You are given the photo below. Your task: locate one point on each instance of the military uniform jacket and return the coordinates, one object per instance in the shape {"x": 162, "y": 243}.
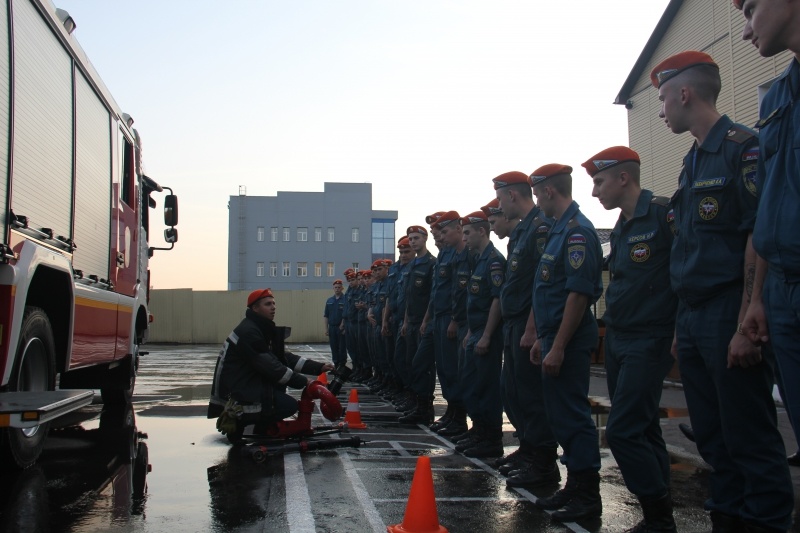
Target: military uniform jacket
{"x": 484, "y": 286}
{"x": 378, "y": 300}
{"x": 462, "y": 269}
{"x": 639, "y": 299}
{"x": 349, "y": 307}
{"x": 363, "y": 298}
{"x": 418, "y": 287}
{"x": 442, "y": 292}
{"x": 253, "y": 362}
{"x": 526, "y": 244}
{"x": 714, "y": 210}
{"x": 775, "y": 236}
{"x": 392, "y": 282}
{"x": 571, "y": 262}
{"x": 334, "y": 310}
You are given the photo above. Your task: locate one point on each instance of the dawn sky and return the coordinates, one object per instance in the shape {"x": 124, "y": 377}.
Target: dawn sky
{"x": 428, "y": 101}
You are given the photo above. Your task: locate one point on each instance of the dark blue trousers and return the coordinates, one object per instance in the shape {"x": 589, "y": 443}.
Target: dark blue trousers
{"x": 523, "y": 390}
{"x": 423, "y": 361}
{"x": 733, "y": 416}
{"x": 446, "y": 351}
{"x": 566, "y": 398}
{"x": 351, "y": 342}
{"x": 481, "y": 381}
{"x": 635, "y": 370}
{"x": 337, "y": 342}
{"x": 400, "y": 357}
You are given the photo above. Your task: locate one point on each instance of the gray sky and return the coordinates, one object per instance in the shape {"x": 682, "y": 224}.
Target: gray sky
{"x": 427, "y": 100}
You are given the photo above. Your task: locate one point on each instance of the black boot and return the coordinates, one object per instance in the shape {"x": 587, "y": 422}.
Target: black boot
{"x": 541, "y": 469}
{"x": 586, "y": 501}
{"x": 490, "y": 444}
{"x": 561, "y": 497}
{"x": 725, "y": 523}
{"x": 423, "y": 414}
{"x": 472, "y": 436}
{"x": 457, "y": 424}
{"x": 444, "y": 419}
{"x": 657, "y": 516}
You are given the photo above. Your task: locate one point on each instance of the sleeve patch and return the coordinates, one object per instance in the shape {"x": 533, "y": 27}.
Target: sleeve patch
{"x": 750, "y": 155}
{"x": 576, "y": 238}
{"x": 577, "y": 254}
{"x": 749, "y": 179}
{"x": 496, "y": 266}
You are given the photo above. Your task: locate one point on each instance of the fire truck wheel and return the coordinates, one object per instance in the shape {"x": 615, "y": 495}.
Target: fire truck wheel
{"x": 34, "y": 370}
{"x": 119, "y": 396}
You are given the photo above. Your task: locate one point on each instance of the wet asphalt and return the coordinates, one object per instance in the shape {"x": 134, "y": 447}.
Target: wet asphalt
{"x": 161, "y": 466}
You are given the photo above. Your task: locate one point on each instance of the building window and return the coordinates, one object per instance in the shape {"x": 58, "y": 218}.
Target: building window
{"x": 260, "y": 269}
{"x": 302, "y": 234}
{"x": 318, "y": 234}
{"x": 355, "y": 266}
{"x": 383, "y": 243}
{"x": 286, "y": 234}
{"x": 286, "y": 272}
{"x": 273, "y": 270}
{"x": 330, "y": 235}
{"x": 355, "y": 235}
{"x": 331, "y": 270}
{"x": 273, "y": 234}
{"x": 260, "y": 234}
{"x": 302, "y": 270}
{"x": 317, "y": 270}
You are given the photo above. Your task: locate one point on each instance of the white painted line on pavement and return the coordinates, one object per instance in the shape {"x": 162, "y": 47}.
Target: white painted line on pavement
{"x": 298, "y": 502}
{"x": 572, "y": 526}
{"x": 455, "y": 499}
{"x": 371, "y": 512}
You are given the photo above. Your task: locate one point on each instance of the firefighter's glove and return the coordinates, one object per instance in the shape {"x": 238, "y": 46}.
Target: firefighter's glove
{"x": 227, "y": 421}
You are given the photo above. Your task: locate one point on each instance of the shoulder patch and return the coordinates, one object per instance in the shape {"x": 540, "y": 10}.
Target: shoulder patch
{"x": 496, "y": 266}
{"x": 576, "y": 238}
{"x": 660, "y": 200}
{"x": 738, "y": 134}
{"x": 750, "y": 155}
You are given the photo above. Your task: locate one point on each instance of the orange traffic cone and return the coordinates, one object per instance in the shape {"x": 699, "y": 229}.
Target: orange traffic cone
{"x": 323, "y": 378}
{"x": 353, "y": 416}
{"x": 421, "y": 516}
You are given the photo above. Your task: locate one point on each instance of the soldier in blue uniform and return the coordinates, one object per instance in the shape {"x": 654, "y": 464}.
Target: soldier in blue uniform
{"x": 773, "y": 27}
{"x": 393, "y": 319}
{"x": 380, "y": 269}
{"x": 727, "y": 380}
{"x": 351, "y": 322}
{"x": 418, "y": 294}
{"x": 534, "y": 464}
{"x": 445, "y": 329}
{"x": 640, "y": 325}
{"x": 568, "y": 282}
{"x": 334, "y": 328}
{"x": 498, "y": 223}
{"x": 361, "y": 304}
{"x": 483, "y": 356}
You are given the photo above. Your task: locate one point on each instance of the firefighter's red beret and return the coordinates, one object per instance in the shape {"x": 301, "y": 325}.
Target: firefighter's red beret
{"x": 446, "y": 219}
{"x": 474, "y": 218}
{"x": 608, "y": 158}
{"x": 674, "y": 65}
{"x": 257, "y": 295}
{"x": 548, "y": 171}
{"x": 416, "y": 229}
{"x": 492, "y": 208}
{"x": 509, "y": 178}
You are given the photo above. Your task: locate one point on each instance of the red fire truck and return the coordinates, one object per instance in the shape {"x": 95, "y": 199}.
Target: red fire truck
{"x": 74, "y": 232}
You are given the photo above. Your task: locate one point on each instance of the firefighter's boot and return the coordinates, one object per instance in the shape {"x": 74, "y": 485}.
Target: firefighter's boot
{"x": 657, "y": 516}
{"x": 490, "y": 444}
{"x": 444, "y": 419}
{"x": 585, "y": 502}
{"x": 423, "y": 414}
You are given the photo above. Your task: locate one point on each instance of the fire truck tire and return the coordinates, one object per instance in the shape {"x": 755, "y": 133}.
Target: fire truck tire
{"x": 34, "y": 370}
{"x": 119, "y": 396}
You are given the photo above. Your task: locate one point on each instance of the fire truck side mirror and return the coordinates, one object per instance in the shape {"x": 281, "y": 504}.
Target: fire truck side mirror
{"x": 171, "y": 212}
{"x": 171, "y": 235}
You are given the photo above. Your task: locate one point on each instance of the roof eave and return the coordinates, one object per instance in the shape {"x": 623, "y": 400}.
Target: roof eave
{"x": 647, "y": 53}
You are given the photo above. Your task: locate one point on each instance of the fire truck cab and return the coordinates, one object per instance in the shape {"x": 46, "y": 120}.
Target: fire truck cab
{"x": 74, "y": 231}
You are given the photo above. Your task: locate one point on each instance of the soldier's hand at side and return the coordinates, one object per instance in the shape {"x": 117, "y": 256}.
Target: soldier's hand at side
{"x": 551, "y": 364}
{"x": 422, "y": 328}
{"x": 482, "y": 346}
{"x": 742, "y": 352}
{"x": 464, "y": 341}
{"x": 536, "y": 353}
{"x": 403, "y": 330}
{"x": 528, "y": 339}
{"x": 452, "y": 330}
{"x": 674, "y": 349}
{"x": 327, "y": 367}
{"x": 754, "y": 324}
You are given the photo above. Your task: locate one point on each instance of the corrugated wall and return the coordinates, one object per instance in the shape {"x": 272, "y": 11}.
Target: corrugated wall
{"x": 207, "y": 317}
{"x": 714, "y": 27}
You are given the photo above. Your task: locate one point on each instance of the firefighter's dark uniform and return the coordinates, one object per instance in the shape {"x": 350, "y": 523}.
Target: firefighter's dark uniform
{"x": 334, "y": 312}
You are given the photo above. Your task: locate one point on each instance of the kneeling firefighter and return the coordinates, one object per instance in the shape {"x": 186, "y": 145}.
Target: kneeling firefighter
{"x": 254, "y": 369}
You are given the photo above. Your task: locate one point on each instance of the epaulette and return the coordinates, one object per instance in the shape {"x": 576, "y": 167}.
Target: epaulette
{"x": 660, "y": 200}
{"x": 739, "y": 134}
{"x": 572, "y": 223}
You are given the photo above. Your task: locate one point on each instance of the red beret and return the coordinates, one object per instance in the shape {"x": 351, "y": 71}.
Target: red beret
{"x": 340, "y": 282}
{"x": 738, "y": 4}
{"x": 492, "y": 208}
{"x": 257, "y": 295}
{"x": 446, "y": 219}
{"x": 378, "y": 263}
{"x": 387, "y": 262}
{"x": 509, "y": 178}
{"x": 351, "y": 276}
{"x": 548, "y": 171}
{"x": 365, "y": 274}
{"x": 608, "y": 158}
{"x": 416, "y": 229}
{"x": 403, "y": 243}
{"x": 674, "y": 65}
{"x": 474, "y": 218}
{"x": 430, "y": 219}
{"x": 348, "y": 271}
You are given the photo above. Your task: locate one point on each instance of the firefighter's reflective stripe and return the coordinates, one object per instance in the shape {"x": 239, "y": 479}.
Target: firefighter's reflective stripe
{"x": 286, "y": 377}
{"x": 299, "y": 366}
